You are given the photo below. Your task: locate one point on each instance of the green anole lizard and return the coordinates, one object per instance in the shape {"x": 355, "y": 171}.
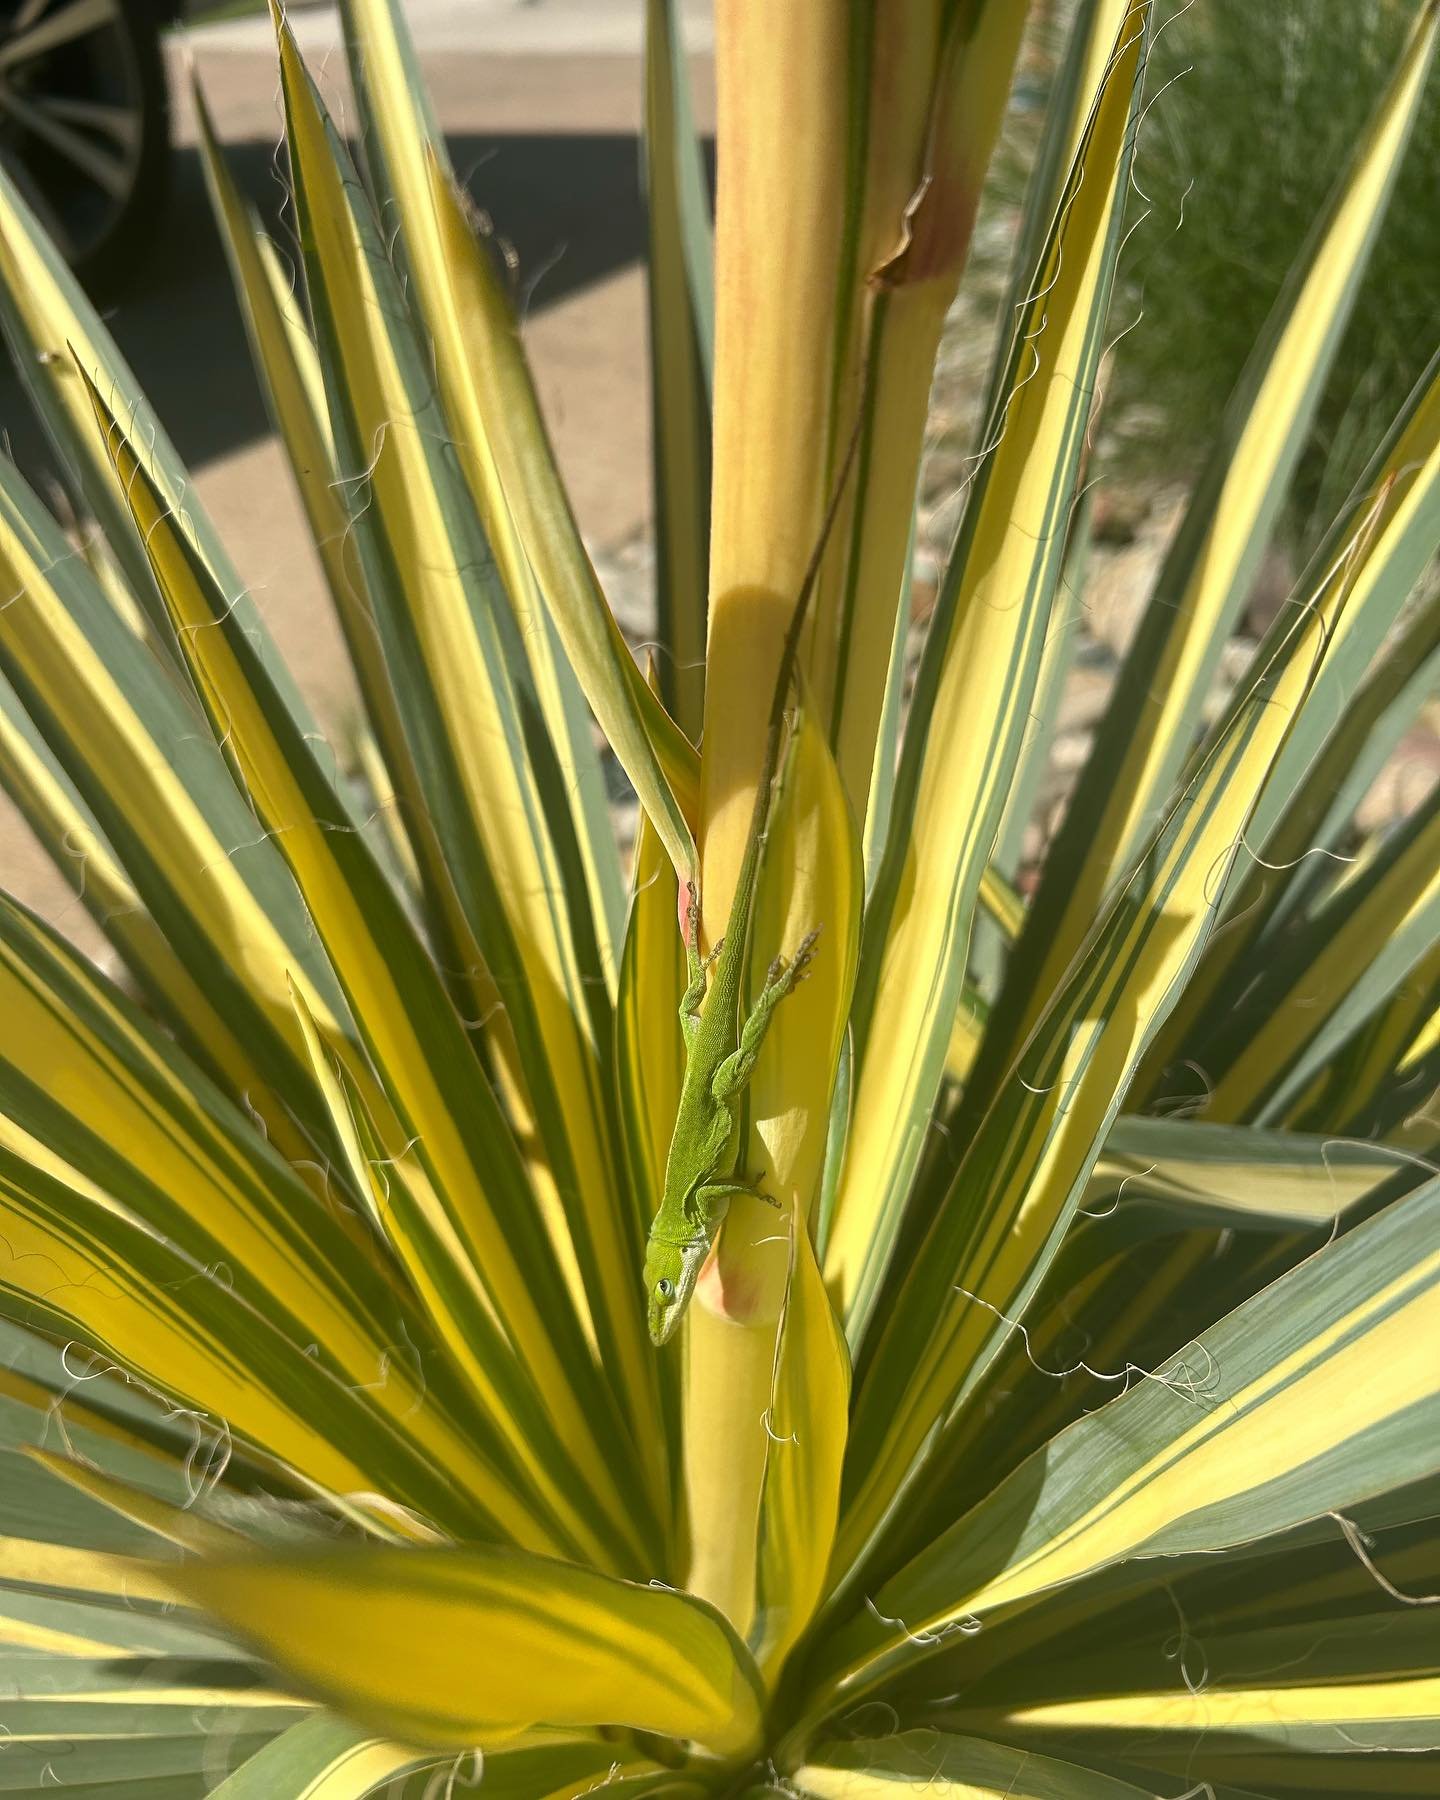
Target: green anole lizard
{"x": 721, "y": 1046}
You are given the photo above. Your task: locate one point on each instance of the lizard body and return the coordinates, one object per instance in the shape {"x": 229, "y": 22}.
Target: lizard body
{"x": 721, "y": 1049}
{"x": 721, "y": 1045}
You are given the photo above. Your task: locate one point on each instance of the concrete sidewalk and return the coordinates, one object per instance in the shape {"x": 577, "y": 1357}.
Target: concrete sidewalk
{"x": 486, "y": 27}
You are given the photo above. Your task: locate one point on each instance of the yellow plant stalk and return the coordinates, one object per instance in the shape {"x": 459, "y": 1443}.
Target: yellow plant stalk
{"x": 938, "y": 83}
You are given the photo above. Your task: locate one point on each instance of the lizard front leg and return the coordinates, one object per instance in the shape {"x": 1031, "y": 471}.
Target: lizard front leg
{"x": 715, "y": 1197}
{"x": 735, "y": 1071}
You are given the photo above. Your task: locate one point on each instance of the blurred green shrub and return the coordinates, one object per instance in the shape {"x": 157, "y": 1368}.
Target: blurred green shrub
{"x": 1252, "y": 108}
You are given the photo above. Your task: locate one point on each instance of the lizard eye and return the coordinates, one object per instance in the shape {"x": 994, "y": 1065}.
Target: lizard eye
{"x": 664, "y": 1289}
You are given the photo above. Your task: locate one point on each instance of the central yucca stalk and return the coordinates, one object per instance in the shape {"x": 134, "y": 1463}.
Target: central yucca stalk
{"x": 851, "y": 145}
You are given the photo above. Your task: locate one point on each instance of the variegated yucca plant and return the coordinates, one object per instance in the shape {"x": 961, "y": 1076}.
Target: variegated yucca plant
{"x": 1066, "y": 1426}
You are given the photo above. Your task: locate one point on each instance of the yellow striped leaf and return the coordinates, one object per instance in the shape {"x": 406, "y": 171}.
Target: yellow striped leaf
{"x": 1148, "y": 728}
{"x": 1317, "y": 1393}
{"x": 1013, "y": 1193}
{"x": 124, "y": 734}
{"x": 468, "y": 1647}
{"x": 652, "y": 749}
{"x": 285, "y": 357}
{"x": 540, "y": 1510}
{"x": 72, "y": 837}
{"x": 1393, "y": 1712}
{"x": 938, "y": 79}
{"x": 404, "y": 148}
{"x": 1334, "y": 974}
{"x": 482, "y": 1243}
{"x": 950, "y": 1768}
{"x": 114, "y": 1731}
{"x": 974, "y": 690}
{"x": 118, "y": 1159}
{"x": 1188, "y": 1172}
{"x": 1387, "y": 537}
{"x": 51, "y": 326}
{"x": 320, "y": 1758}
{"x": 806, "y": 1425}
{"x": 456, "y": 657}
{"x": 1385, "y": 1070}
{"x": 682, "y": 329}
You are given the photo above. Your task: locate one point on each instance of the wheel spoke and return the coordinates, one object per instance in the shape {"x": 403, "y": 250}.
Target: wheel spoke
{"x": 121, "y": 124}
{"x": 107, "y": 171}
{"x": 77, "y": 20}
{"x": 26, "y": 14}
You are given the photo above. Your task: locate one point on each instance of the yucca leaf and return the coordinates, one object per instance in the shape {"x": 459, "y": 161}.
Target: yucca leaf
{"x": 1318, "y": 1392}
{"x": 937, "y": 83}
{"x": 682, "y": 330}
{"x": 50, "y": 326}
{"x": 407, "y": 1210}
{"x": 554, "y": 1765}
{"x": 110, "y": 1731}
{"x": 652, "y": 749}
{"x": 121, "y": 1127}
{"x": 70, "y": 834}
{"x": 650, "y": 1059}
{"x": 974, "y": 689}
{"x": 497, "y": 790}
{"x": 1149, "y": 726}
{"x": 1396, "y": 516}
{"x": 1145, "y": 1625}
{"x": 469, "y": 1243}
{"x": 1180, "y": 1172}
{"x": 41, "y": 1405}
{"x": 951, "y": 1768}
{"x": 806, "y": 1425}
{"x": 887, "y": 732}
{"x": 967, "y": 1032}
{"x": 403, "y": 148}
{"x": 124, "y": 733}
{"x": 286, "y": 359}
{"x": 320, "y": 1758}
{"x": 1014, "y": 1189}
{"x": 294, "y": 383}
{"x": 1389, "y": 533}
{"x": 1367, "y": 1685}
{"x": 1335, "y": 971}
{"x": 1074, "y": 81}
{"x": 1386, "y": 1068}
{"x": 461, "y": 1647}
{"x": 179, "y": 1525}
{"x": 650, "y": 1051}
{"x": 1056, "y": 660}
{"x": 779, "y": 341}
{"x": 1176, "y": 1216}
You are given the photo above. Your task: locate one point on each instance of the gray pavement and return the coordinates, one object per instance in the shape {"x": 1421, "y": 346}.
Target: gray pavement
{"x": 489, "y": 27}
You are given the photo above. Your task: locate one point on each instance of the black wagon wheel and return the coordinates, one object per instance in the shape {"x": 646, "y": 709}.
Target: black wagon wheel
{"x": 84, "y": 123}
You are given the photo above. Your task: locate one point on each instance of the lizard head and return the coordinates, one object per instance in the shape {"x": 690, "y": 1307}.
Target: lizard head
{"x": 670, "y": 1275}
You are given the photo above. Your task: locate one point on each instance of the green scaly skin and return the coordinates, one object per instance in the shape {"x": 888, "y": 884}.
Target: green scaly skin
{"x": 721, "y": 1049}
{"x": 722, "y": 1046}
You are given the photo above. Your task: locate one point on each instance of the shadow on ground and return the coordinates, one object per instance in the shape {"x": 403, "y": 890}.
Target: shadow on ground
{"x": 569, "y": 205}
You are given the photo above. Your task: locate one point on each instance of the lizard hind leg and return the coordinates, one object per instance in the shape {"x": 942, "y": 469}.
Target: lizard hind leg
{"x": 733, "y": 1074}
{"x": 699, "y": 968}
